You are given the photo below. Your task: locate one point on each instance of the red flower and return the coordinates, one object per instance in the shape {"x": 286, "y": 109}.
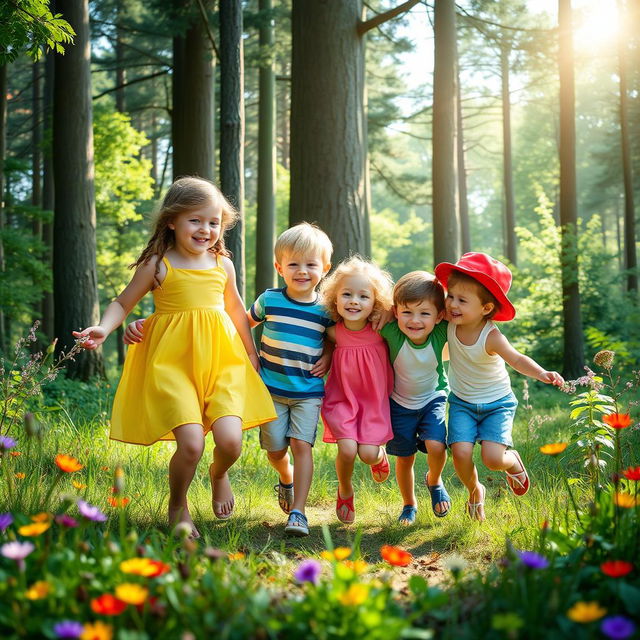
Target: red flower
{"x": 617, "y": 420}
{"x": 395, "y": 555}
{"x": 157, "y": 568}
{"x": 108, "y": 605}
{"x": 632, "y": 473}
{"x": 616, "y": 568}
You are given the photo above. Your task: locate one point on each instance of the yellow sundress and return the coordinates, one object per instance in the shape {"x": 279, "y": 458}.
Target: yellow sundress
{"x": 191, "y": 366}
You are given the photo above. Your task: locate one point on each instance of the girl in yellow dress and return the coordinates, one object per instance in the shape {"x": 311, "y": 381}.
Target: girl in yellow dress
{"x": 195, "y": 370}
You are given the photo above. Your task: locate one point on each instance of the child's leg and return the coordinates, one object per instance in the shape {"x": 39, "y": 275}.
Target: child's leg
{"x": 347, "y": 451}
{"x": 497, "y": 458}
{"x": 190, "y": 441}
{"x": 406, "y": 479}
{"x": 436, "y": 459}
{"x": 376, "y": 457}
{"x": 468, "y": 474}
{"x": 302, "y": 472}
{"x": 281, "y": 462}
{"x": 227, "y": 435}
{"x": 273, "y": 438}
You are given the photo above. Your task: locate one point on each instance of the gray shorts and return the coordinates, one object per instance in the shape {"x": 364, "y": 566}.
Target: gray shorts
{"x": 297, "y": 418}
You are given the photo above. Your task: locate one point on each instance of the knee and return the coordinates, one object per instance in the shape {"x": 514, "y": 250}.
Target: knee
{"x": 191, "y": 452}
{"x": 300, "y": 448}
{"x": 368, "y": 456}
{"x": 347, "y": 453}
{"x": 492, "y": 461}
{"x": 276, "y": 456}
{"x": 230, "y": 446}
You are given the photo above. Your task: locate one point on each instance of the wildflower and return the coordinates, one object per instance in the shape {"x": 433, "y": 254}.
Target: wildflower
{"x": 182, "y": 530}
{"x": 78, "y": 485}
{"x": 604, "y": 359}
{"x": 632, "y": 473}
{"x": 17, "y": 551}
{"x": 118, "y": 502}
{"x": 395, "y": 556}
{"x": 97, "y": 631}
{"x": 617, "y": 420}
{"x": 236, "y": 556}
{"x": 357, "y": 566}
{"x": 355, "y": 595}
{"x": 585, "y": 612}
{"x": 34, "y": 529}
{"x": 20, "y": 475}
{"x": 104, "y": 468}
{"x": 6, "y": 520}
{"x": 339, "y": 553}
{"x": 6, "y": 443}
{"x": 616, "y": 568}
{"x": 617, "y": 627}
{"x": 65, "y": 520}
{"x": 118, "y": 480}
{"x": 624, "y": 500}
{"x": 43, "y": 516}
{"x": 38, "y": 590}
{"x": 533, "y": 560}
{"x": 308, "y": 571}
{"x": 506, "y": 622}
{"x": 67, "y": 464}
{"x": 132, "y": 593}
{"x": 90, "y": 512}
{"x": 15, "y": 454}
{"x": 554, "y": 448}
{"x": 68, "y": 629}
{"x": 456, "y": 564}
{"x": 145, "y": 567}
{"x": 108, "y": 605}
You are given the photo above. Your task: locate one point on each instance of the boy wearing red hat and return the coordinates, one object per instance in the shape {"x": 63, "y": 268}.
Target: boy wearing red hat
{"x": 481, "y": 403}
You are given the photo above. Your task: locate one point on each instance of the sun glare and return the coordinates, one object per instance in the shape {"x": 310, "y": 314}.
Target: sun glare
{"x": 596, "y": 25}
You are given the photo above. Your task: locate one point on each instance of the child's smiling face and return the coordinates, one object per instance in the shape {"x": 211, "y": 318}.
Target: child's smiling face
{"x": 197, "y": 230}
{"x": 464, "y": 306}
{"x": 417, "y": 319}
{"x": 355, "y": 300}
{"x": 302, "y": 274}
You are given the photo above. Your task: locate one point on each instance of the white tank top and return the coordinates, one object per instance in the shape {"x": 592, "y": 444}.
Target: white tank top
{"x": 474, "y": 375}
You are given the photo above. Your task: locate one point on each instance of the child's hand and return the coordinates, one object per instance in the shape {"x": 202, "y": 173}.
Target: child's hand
{"x": 134, "y": 332}
{"x": 321, "y": 367}
{"x": 378, "y": 320}
{"x": 551, "y": 377}
{"x": 91, "y": 337}
{"x": 255, "y": 361}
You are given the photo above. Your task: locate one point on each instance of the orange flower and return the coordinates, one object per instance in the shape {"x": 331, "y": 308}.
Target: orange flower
{"x": 395, "y": 555}
{"x": 339, "y": 553}
{"x": 68, "y": 464}
{"x": 618, "y": 420}
{"x": 15, "y": 454}
{"x": 357, "y": 566}
{"x": 20, "y": 475}
{"x": 78, "y": 485}
{"x": 236, "y": 556}
{"x": 34, "y": 529}
{"x": 632, "y": 473}
{"x": 554, "y": 448}
{"x": 41, "y": 517}
{"x": 105, "y": 468}
{"x": 355, "y": 595}
{"x": 624, "y": 500}
{"x": 117, "y": 501}
{"x": 144, "y": 567}
{"x": 108, "y": 605}
{"x": 38, "y": 590}
{"x": 97, "y": 631}
{"x": 616, "y": 568}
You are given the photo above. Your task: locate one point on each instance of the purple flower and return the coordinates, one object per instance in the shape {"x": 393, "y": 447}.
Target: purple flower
{"x": 68, "y": 629}
{"x": 6, "y": 443}
{"x": 17, "y": 551}
{"x": 90, "y": 512}
{"x": 6, "y": 520}
{"x": 65, "y": 520}
{"x": 533, "y": 560}
{"x": 308, "y": 571}
{"x": 617, "y": 627}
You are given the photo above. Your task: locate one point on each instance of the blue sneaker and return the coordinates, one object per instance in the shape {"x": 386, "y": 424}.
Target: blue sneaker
{"x": 408, "y": 515}
{"x": 297, "y": 524}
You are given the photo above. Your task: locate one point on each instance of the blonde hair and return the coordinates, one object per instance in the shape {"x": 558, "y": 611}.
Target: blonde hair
{"x": 380, "y": 281}
{"x": 418, "y": 286}
{"x": 303, "y": 239}
{"x": 185, "y": 194}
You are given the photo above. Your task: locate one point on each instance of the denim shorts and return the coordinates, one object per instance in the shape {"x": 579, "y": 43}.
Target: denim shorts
{"x": 411, "y": 427}
{"x": 492, "y": 421}
{"x": 297, "y": 418}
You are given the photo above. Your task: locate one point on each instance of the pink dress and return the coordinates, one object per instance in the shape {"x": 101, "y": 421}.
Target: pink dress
{"x": 356, "y": 402}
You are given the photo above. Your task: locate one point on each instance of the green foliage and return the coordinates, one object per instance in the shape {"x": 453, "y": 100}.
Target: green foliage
{"x": 29, "y": 25}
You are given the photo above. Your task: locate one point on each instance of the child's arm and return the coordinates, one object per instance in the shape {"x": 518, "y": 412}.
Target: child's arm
{"x": 321, "y": 367}
{"x": 115, "y": 314}
{"x": 380, "y": 319}
{"x": 134, "y": 332}
{"x": 498, "y": 344}
{"x": 235, "y": 309}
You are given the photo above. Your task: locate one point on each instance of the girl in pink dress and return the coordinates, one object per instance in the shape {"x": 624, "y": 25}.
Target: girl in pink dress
{"x": 355, "y": 411}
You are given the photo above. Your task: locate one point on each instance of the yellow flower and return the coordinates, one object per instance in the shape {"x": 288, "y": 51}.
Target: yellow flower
{"x": 585, "y": 612}
{"x": 38, "y": 590}
{"x": 34, "y": 529}
{"x": 97, "y": 631}
{"x": 20, "y": 475}
{"x": 41, "y": 517}
{"x": 356, "y": 594}
{"x": 131, "y": 593}
{"x": 78, "y": 485}
{"x": 554, "y": 448}
{"x": 357, "y": 566}
{"x": 625, "y": 500}
{"x": 339, "y": 553}
{"x": 236, "y": 556}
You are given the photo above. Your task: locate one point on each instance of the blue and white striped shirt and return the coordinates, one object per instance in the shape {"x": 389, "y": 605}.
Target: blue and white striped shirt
{"x": 291, "y": 343}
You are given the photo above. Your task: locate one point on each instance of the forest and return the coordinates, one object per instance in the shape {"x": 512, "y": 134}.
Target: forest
{"x": 410, "y": 132}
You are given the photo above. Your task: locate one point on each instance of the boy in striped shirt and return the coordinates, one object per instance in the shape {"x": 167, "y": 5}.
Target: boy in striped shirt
{"x": 291, "y": 363}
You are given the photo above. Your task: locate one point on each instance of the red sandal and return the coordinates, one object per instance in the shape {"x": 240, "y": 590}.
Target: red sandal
{"x": 380, "y": 471}
{"x": 519, "y": 483}
{"x": 350, "y": 510}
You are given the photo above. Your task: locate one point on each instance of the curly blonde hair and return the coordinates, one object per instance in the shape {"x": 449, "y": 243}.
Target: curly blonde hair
{"x": 185, "y": 194}
{"x": 381, "y": 283}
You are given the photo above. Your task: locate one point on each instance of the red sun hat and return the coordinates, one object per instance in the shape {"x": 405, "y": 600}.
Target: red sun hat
{"x": 489, "y": 272}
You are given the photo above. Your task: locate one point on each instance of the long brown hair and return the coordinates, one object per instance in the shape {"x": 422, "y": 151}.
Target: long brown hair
{"x": 185, "y": 194}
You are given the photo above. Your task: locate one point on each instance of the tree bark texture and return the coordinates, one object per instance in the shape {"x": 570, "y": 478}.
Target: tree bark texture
{"x": 573, "y": 358}
{"x": 465, "y": 229}
{"x": 328, "y": 134}
{"x": 48, "y": 194}
{"x": 446, "y": 223}
{"x": 232, "y": 126}
{"x": 74, "y": 255}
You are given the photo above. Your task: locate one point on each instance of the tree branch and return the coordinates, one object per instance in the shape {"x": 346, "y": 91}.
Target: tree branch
{"x": 126, "y": 84}
{"x": 381, "y": 18}
{"x": 205, "y": 20}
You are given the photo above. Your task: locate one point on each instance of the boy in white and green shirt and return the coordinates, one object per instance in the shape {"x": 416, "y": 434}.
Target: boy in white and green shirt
{"x": 417, "y": 339}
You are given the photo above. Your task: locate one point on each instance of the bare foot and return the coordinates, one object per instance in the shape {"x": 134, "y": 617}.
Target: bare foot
{"x": 180, "y": 514}
{"x": 221, "y": 489}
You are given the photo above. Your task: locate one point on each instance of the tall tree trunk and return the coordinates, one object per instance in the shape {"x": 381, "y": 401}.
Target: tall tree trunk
{"x": 192, "y": 90}
{"x": 446, "y": 224}
{"x": 3, "y": 154}
{"x": 232, "y": 125}
{"x": 630, "y": 257}
{"x": 507, "y": 163}
{"x": 328, "y": 143}
{"x": 48, "y": 193}
{"x": 573, "y": 359}
{"x": 284, "y": 117}
{"x": 74, "y": 256}
{"x": 36, "y": 171}
{"x": 465, "y": 229}
{"x": 266, "y": 217}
